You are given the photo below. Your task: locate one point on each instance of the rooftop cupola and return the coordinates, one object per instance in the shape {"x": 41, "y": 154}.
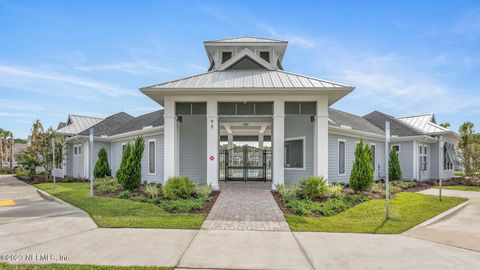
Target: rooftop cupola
{"x": 245, "y": 53}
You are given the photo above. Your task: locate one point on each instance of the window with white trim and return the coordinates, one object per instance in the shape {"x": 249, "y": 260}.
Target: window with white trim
{"x": 374, "y": 150}
{"x": 423, "y": 156}
{"x": 447, "y": 160}
{"x": 341, "y": 157}
{"x": 75, "y": 151}
{"x": 226, "y": 55}
{"x": 79, "y": 150}
{"x": 294, "y": 151}
{"x": 151, "y": 156}
{"x": 396, "y": 147}
{"x": 124, "y": 145}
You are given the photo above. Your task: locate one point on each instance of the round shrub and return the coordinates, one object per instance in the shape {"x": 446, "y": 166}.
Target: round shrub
{"x": 179, "y": 187}
{"x": 313, "y": 187}
{"x": 106, "y": 185}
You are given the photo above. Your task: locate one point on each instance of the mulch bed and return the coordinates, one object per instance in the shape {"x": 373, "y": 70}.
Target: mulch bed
{"x": 209, "y": 205}
{"x": 280, "y": 203}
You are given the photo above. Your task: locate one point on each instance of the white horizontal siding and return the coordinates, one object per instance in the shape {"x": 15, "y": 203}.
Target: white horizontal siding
{"x": 300, "y": 126}
{"x": 350, "y": 145}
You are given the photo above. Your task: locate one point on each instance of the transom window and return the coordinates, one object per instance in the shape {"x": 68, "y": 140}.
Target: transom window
{"x": 191, "y": 108}
{"x": 308, "y": 108}
{"x": 341, "y": 157}
{"x": 245, "y": 108}
{"x": 294, "y": 151}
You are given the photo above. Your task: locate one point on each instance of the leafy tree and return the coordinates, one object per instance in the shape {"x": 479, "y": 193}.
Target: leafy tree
{"x": 445, "y": 125}
{"x": 394, "y": 170}
{"x": 466, "y": 145}
{"x": 29, "y": 160}
{"x": 102, "y": 169}
{"x": 130, "y": 172}
{"x": 362, "y": 175}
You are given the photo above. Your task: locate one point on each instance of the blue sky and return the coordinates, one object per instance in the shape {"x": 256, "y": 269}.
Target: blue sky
{"x": 90, "y": 57}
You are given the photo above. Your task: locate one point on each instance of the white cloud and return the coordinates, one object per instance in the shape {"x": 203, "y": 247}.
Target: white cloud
{"x": 53, "y": 83}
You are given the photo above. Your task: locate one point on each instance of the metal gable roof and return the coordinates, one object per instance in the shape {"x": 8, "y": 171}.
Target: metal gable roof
{"x": 424, "y": 122}
{"x": 257, "y": 78}
{"x": 245, "y": 39}
{"x": 78, "y": 123}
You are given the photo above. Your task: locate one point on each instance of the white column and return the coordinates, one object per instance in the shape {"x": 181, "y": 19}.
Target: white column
{"x": 278, "y": 142}
{"x": 212, "y": 144}
{"x": 170, "y": 145}
{"x": 321, "y": 138}
{"x": 260, "y": 141}
{"x": 230, "y": 140}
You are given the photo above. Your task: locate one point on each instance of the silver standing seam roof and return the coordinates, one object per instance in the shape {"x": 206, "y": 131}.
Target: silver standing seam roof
{"x": 424, "y": 122}
{"x": 246, "y": 39}
{"x": 255, "y": 78}
{"x": 78, "y": 123}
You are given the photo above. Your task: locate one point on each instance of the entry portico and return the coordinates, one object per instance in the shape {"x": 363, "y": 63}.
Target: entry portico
{"x": 246, "y": 81}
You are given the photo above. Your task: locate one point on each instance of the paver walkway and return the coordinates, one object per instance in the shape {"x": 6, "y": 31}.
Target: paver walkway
{"x": 246, "y": 206}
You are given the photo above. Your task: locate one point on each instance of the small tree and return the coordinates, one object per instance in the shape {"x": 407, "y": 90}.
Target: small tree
{"x": 362, "y": 175}
{"x": 102, "y": 168}
{"x": 121, "y": 172}
{"x": 394, "y": 170}
{"x": 130, "y": 171}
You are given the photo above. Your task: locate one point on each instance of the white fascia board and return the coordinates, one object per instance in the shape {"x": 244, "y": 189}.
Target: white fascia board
{"x": 355, "y": 133}
{"x": 86, "y": 138}
{"x": 449, "y": 132}
{"x": 423, "y": 138}
{"x": 144, "y": 132}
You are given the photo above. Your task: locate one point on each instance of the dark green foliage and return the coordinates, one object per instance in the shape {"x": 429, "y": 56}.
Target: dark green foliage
{"x": 179, "y": 187}
{"x": 106, "y": 185}
{"x": 394, "y": 170}
{"x": 330, "y": 207}
{"x": 313, "y": 187}
{"x": 362, "y": 175}
{"x": 102, "y": 169}
{"x": 124, "y": 194}
{"x": 130, "y": 172}
{"x": 122, "y": 170}
{"x": 183, "y": 205}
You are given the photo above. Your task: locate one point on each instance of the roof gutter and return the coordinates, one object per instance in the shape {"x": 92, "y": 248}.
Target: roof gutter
{"x": 412, "y": 138}
{"x": 347, "y": 131}
{"x": 136, "y": 133}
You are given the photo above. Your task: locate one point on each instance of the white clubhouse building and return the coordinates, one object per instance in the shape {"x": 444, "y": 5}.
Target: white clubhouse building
{"x": 248, "y": 119}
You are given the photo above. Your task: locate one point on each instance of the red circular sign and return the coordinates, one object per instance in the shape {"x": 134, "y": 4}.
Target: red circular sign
{"x": 212, "y": 158}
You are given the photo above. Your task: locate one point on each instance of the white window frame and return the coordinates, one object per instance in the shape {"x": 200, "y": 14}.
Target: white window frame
{"x": 221, "y": 56}
{"x": 375, "y": 156}
{"x": 154, "y": 157}
{"x": 451, "y": 161}
{"x": 123, "y": 144}
{"x": 75, "y": 151}
{"x": 79, "y": 151}
{"x": 424, "y": 153}
{"x": 399, "y": 147}
{"x": 269, "y": 55}
{"x": 303, "y": 138}
{"x": 344, "y": 157}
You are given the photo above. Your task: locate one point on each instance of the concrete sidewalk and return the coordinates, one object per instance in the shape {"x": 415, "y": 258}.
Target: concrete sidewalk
{"x": 462, "y": 229}
{"x": 64, "y": 230}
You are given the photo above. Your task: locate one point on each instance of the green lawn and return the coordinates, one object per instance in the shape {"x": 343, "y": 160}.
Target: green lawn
{"x": 74, "y": 267}
{"x": 463, "y": 188}
{"x": 407, "y": 209}
{"x": 119, "y": 213}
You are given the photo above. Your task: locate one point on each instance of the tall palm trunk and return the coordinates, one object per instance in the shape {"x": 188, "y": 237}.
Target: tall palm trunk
{"x": 11, "y": 151}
